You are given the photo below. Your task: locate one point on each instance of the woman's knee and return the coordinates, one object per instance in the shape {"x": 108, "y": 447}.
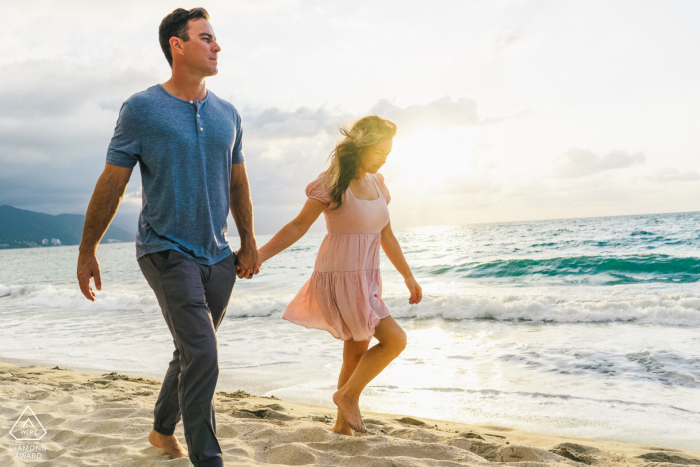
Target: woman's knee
{"x": 391, "y": 336}
{"x": 401, "y": 341}
{"x": 397, "y": 342}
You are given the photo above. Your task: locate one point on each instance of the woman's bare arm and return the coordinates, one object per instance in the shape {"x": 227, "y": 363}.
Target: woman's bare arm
{"x": 290, "y": 233}
{"x": 393, "y": 251}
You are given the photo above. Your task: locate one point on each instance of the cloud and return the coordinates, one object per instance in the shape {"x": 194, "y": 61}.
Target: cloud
{"x": 501, "y": 41}
{"x": 578, "y": 162}
{"x": 443, "y": 112}
{"x": 59, "y": 111}
{"x": 667, "y": 174}
{"x": 63, "y": 86}
{"x": 273, "y": 123}
{"x": 56, "y": 121}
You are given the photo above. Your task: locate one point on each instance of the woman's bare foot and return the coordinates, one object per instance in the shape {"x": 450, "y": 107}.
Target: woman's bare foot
{"x": 169, "y": 443}
{"x": 350, "y": 408}
{"x": 341, "y": 426}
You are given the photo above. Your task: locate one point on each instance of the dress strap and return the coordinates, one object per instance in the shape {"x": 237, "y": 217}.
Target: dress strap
{"x": 376, "y": 187}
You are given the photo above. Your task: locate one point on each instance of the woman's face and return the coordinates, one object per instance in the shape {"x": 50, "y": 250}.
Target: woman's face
{"x": 374, "y": 157}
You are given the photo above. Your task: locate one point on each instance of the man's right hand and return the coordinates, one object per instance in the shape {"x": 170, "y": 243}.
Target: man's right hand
{"x": 88, "y": 267}
{"x": 101, "y": 210}
{"x": 247, "y": 263}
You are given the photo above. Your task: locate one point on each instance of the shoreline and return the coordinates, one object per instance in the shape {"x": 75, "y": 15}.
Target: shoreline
{"x": 104, "y": 419}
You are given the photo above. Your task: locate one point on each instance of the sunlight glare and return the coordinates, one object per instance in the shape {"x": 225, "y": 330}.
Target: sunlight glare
{"x": 436, "y": 154}
{"x": 434, "y": 337}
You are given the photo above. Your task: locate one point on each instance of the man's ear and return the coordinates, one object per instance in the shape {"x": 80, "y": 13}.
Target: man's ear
{"x": 176, "y": 45}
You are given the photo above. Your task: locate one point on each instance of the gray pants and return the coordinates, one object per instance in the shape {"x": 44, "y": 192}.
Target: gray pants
{"x": 193, "y": 298}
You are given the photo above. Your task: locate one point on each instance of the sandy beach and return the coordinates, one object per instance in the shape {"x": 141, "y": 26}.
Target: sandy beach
{"x": 96, "y": 419}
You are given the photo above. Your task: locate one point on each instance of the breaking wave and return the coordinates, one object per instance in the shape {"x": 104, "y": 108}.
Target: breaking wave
{"x": 616, "y": 270}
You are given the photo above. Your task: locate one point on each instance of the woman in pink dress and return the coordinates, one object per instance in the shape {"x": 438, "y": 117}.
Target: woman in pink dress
{"x": 344, "y": 294}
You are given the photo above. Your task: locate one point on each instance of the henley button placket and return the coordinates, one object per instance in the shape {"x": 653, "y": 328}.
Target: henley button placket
{"x": 201, "y": 128}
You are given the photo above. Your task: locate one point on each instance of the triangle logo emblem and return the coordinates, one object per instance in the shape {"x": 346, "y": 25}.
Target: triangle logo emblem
{"x": 28, "y": 427}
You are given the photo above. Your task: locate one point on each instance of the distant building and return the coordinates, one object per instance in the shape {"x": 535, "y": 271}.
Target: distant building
{"x": 113, "y": 240}
{"x": 45, "y": 241}
{"x": 55, "y": 242}
{"x": 33, "y": 245}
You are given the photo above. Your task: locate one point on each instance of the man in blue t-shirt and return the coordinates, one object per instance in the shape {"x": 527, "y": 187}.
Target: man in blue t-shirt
{"x": 188, "y": 145}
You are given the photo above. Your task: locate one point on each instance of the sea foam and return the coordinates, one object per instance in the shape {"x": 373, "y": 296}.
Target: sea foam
{"x": 674, "y": 310}
{"x": 143, "y": 300}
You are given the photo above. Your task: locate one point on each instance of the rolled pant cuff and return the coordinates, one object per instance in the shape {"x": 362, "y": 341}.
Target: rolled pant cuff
{"x": 164, "y": 431}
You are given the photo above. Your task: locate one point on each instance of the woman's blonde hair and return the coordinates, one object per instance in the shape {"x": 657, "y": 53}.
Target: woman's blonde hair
{"x": 345, "y": 158}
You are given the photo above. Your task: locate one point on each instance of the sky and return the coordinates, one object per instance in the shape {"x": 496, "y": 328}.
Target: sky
{"x": 507, "y": 110}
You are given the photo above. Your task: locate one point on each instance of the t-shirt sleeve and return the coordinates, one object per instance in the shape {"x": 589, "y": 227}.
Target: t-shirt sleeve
{"x": 383, "y": 187}
{"x": 125, "y": 147}
{"x": 318, "y": 191}
{"x": 237, "y": 155}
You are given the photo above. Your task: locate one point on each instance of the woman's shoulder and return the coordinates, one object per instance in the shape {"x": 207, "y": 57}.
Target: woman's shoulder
{"x": 382, "y": 185}
{"x": 319, "y": 190}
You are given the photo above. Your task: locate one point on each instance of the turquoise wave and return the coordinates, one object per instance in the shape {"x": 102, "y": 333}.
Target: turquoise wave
{"x": 612, "y": 270}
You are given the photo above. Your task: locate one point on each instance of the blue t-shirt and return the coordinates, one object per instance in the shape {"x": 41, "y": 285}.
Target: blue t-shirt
{"x": 185, "y": 150}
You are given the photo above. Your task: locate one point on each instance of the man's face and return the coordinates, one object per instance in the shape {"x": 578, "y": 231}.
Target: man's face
{"x": 201, "y": 51}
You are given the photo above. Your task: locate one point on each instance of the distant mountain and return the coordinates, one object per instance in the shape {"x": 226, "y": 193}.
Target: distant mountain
{"x": 19, "y": 228}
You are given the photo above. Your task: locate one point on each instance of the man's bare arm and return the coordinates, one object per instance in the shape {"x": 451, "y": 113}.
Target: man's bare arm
{"x": 242, "y": 211}
{"x": 105, "y": 200}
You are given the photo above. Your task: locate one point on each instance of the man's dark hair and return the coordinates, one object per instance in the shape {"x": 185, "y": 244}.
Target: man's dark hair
{"x": 175, "y": 25}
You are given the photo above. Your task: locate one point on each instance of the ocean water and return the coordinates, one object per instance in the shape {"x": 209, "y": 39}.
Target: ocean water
{"x": 579, "y": 327}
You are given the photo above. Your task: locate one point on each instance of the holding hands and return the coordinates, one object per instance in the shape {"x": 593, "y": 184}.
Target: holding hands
{"x": 247, "y": 263}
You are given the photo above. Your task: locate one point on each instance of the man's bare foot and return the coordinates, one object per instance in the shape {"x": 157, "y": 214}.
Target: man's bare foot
{"x": 341, "y": 426}
{"x": 169, "y": 443}
{"x": 350, "y": 409}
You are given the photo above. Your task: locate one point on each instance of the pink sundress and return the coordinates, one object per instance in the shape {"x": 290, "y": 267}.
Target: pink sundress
{"x": 344, "y": 294}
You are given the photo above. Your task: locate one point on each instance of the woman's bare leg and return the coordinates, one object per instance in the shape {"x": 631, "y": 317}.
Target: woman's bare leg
{"x": 352, "y": 353}
{"x": 392, "y": 341}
